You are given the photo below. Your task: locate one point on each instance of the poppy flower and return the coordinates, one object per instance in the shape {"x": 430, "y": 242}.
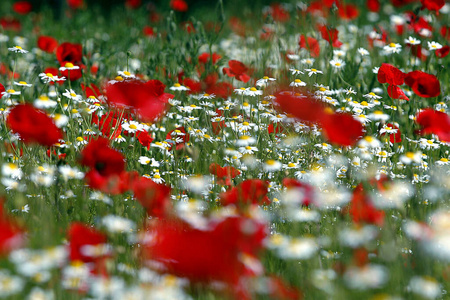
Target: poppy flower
{"x": 134, "y": 4}
{"x": 373, "y": 5}
{"x": 348, "y": 11}
{"x": 205, "y": 57}
{"x": 91, "y": 90}
{"x": 362, "y": 210}
{"x": 10, "y": 23}
{"x": 278, "y": 13}
{"x": 310, "y": 44}
{"x": 206, "y": 255}
{"x": 75, "y": 4}
{"x": 443, "y": 52}
{"x": 68, "y": 52}
{"x": 342, "y": 129}
{"x": 80, "y": 237}
{"x": 238, "y": 70}
{"x": 423, "y": 84}
{"x": 148, "y": 31}
{"x": 11, "y": 234}
{"x": 178, "y": 137}
{"x": 304, "y": 108}
{"x": 22, "y": 7}
{"x": 306, "y": 190}
{"x": 390, "y": 74}
{"x": 146, "y": 99}
{"x": 330, "y": 35}
{"x": 2, "y": 89}
{"x": 394, "y": 137}
{"x": 250, "y": 191}
{"x": 179, "y": 5}
{"x": 33, "y": 125}
{"x": 223, "y": 174}
{"x": 144, "y": 138}
{"x": 435, "y": 5}
{"x": 434, "y": 122}
{"x": 194, "y": 86}
{"x": 154, "y": 197}
{"x": 396, "y": 93}
{"x": 47, "y": 43}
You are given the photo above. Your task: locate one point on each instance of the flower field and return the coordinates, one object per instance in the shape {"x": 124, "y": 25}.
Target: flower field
{"x": 225, "y": 149}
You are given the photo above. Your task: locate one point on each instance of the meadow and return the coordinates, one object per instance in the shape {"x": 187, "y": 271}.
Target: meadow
{"x": 225, "y": 150}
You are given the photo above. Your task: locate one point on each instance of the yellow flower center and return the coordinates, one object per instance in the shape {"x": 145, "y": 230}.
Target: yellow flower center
{"x": 80, "y": 139}
{"x": 74, "y": 111}
{"x": 11, "y": 91}
{"x": 297, "y": 81}
{"x": 127, "y": 73}
{"x": 313, "y": 70}
{"x": 177, "y": 85}
{"x": 265, "y": 77}
{"x": 22, "y": 82}
{"x": 444, "y": 159}
{"x": 392, "y": 45}
{"x": 119, "y": 78}
{"x": 132, "y": 126}
{"x": 291, "y": 165}
{"x": 410, "y": 155}
{"x": 68, "y": 65}
{"x": 271, "y": 162}
{"x": 253, "y": 89}
{"x": 18, "y": 47}
{"x": 49, "y": 75}
{"x": 245, "y": 123}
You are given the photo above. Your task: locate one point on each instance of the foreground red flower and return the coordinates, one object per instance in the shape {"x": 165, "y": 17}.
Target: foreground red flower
{"x": 146, "y": 99}
{"x": 33, "y": 125}
{"x": 238, "y": 70}
{"x": 435, "y": 5}
{"x": 11, "y": 234}
{"x": 214, "y": 254}
{"x": 434, "y": 122}
{"x": 390, "y": 74}
{"x": 305, "y": 109}
{"x": 22, "y": 7}
{"x": 223, "y": 174}
{"x": 330, "y": 35}
{"x": 80, "y": 237}
{"x": 250, "y": 191}
{"x": 342, "y": 129}
{"x": 154, "y": 197}
{"x": 362, "y": 210}
{"x": 47, "y": 43}
{"x": 179, "y": 5}
{"x": 311, "y": 44}
{"x": 423, "y": 84}
{"x": 68, "y": 52}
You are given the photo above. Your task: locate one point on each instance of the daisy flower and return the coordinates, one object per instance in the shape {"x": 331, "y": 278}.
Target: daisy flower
{"x": 295, "y": 71}
{"x": 297, "y": 83}
{"x": 132, "y": 126}
{"x": 313, "y": 71}
{"x": 17, "y": 49}
{"x": 264, "y": 81}
{"x": 308, "y": 61}
{"x": 44, "y": 102}
{"x": 49, "y": 77}
{"x": 337, "y": 63}
{"x": 253, "y": 92}
{"x": 412, "y": 41}
{"x": 272, "y": 165}
{"x": 179, "y": 87}
{"x": 378, "y": 115}
{"x": 144, "y": 160}
{"x": 69, "y": 66}
{"x": 363, "y": 52}
{"x": 248, "y": 150}
{"x": 22, "y": 83}
{"x": 119, "y": 139}
{"x": 434, "y": 46}
{"x": 72, "y": 95}
{"x": 10, "y": 92}
{"x": 392, "y": 48}
{"x": 372, "y": 96}
{"x": 388, "y": 129}
{"x": 126, "y": 74}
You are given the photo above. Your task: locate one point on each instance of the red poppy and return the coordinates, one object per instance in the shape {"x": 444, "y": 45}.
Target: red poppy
{"x": 154, "y": 197}
{"x": 10, "y": 23}
{"x": 250, "y": 191}
{"x": 445, "y": 32}
{"x": 2, "y": 89}
{"x": 179, "y": 5}
{"x": 178, "y": 137}
{"x": 91, "y": 90}
{"x": 218, "y": 126}
{"x": 390, "y": 74}
{"x": 223, "y": 174}
{"x": 147, "y": 100}
{"x": 80, "y": 237}
{"x": 443, "y": 52}
{"x": 68, "y": 52}
{"x": 348, "y": 11}
{"x": 134, "y": 4}
{"x": 278, "y": 13}
{"x": 423, "y": 84}
{"x": 394, "y": 137}
{"x": 373, "y": 5}
{"x": 72, "y": 75}
{"x": 305, "y": 109}
{"x": 362, "y": 210}
{"x": 274, "y": 128}
{"x": 100, "y": 156}
{"x": 194, "y": 86}
{"x": 33, "y": 125}
{"x": 238, "y": 70}
{"x": 175, "y": 247}
{"x": 435, "y": 5}
{"x": 396, "y": 93}
{"x": 11, "y": 234}
{"x": 148, "y": 31}
{"x": 434, "y": 122}
{"x": 306, "y": 191}
{"x": 205, "y": 57}
{"x": 330, "y": 35}
{"x": 22, "y": 7}
{"x": 311, "y": 44}
{"x": 108, "y": 125}
{"x": 47, "y": 43}
{"x": 342, "y": 129}
{"x": 75, "y": 4}
{"x": 220, "y": 89}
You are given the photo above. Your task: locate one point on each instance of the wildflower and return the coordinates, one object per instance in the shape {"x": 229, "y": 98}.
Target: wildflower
{"x": 272, "y": 165}
{"x": 68, "y": 66}
{"x": 297, "y": 83}
{"x": 126, "y": 75}
{"x": 247, "y": 149}
{"x": 392, "y": 48}
{"x": 49, "y": 77}
{"x": 44, "y": 102}
{"x": 238, "y": 70}
{"x": 72, "y": 95}
{"x": 411, "y": 157}
{"x": 412, "y": 41}
{"x": 313, "y": 71}
{"x": 10, "y": 92}
{"x": 179, "y": 87}
{"x": 337, "y": 63}
{"x": 18, "y": 49}
{"x": 434, "y": 122}
{"x": 423, "y": 84}
{"x": 253, "y": 92}
{"x": 144, "y": 160}
{"x": 372, "y": 96}
{"x": 428, "y": 144}
{"x": 33, "y": 125}
{"x": 363, "y": 52}
{"x": 132, "y": 126}
{"x": 295, "y": 71}
{"x": 22, "y": 83}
